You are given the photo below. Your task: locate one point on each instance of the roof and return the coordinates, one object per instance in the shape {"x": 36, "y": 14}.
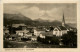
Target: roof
{"x": 29, "y": 33}
{"x": 33, "y": 37}
{"x": 61, "y": 28}
{"x": 50, "y": 33}
{"x": 13, "y": 35}
{"x": 43, "y": 33}
{"x": 40, "y": 29}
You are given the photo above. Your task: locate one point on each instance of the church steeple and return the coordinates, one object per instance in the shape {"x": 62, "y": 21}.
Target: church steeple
{"x": 63, "y": 20}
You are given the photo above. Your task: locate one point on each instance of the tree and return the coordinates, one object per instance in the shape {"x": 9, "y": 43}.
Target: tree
{"x": 70, "y": 39}
{"x": 55, "y": 40}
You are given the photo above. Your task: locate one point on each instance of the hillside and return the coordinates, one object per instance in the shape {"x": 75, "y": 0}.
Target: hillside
{"x": 19, "y": 18}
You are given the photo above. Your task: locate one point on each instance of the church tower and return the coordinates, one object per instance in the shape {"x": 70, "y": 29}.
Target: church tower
{"x": 63, "y": 20}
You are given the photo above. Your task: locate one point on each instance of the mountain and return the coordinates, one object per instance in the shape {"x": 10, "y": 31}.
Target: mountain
{"x": 41, "y": 20}
{"x": 47, "y": 22}
{"x": 74, "y": 25}
{"x": 19, "y": 18}
{"x": 15, "y": 18}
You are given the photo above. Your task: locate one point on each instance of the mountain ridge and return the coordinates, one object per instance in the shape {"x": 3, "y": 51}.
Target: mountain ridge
{"x": 19, "y": 18}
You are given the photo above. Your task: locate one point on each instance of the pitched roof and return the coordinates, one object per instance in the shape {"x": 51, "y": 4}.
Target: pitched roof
{"x": 62, "y": 28}
{"x": 33, "y": 37}
{"x": 58, "y": 28}
{"x": 50, "y": 33}
{"x": 40, "y": 29}
{"x": 43, "y": 33}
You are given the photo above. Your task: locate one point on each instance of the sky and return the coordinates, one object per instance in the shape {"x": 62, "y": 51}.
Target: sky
{"x": 45, "y": 11}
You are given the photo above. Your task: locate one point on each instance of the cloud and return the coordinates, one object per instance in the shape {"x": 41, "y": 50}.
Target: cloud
{"x": 13, "y": 8}
{"x": 33, "y": 12}
{"x": 55, "y": 13}
{"x": 48, "y": 12}
{"x": 41, "y": 12}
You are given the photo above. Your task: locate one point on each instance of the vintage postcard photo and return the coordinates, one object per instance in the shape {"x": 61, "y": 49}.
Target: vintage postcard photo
{"x": 40, "y": 25}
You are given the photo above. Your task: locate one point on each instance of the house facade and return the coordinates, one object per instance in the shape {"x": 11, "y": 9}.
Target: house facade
{"x": 33, "y": 38}
{"x": 59, "y": 31}
{"x": 21, "y": 32}
{"x": 38, "y": 31}
{"x": 42, "y": 35}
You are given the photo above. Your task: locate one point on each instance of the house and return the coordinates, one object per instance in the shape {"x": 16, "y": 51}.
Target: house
{"x": 31, "y": 30}
{"x": 33, "y": 38}
{"x": 59, "y": 30}
{"x": 21, "y": 32}
{"x": 6, "y": 31}
{"x": 27, "y": 35}
{"x": 47, "y": 30}
{"x": 38, "y": 31}
{"x": 13, "y": 37}
{"x": 42, "y": 35}
{"x": 48, "y": 34}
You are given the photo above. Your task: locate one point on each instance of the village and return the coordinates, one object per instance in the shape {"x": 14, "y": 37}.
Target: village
{"x": 37, "y": 34}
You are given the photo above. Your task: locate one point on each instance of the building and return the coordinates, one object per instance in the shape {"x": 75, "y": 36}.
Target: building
{"x": 6, "y": 31}
{"x": 48, "y": 34}
{"x": 42, "y": 35}
{"x": 21, "y": 32}
{"x": 33, "y": 38}
{"x": 27, "y": 35}
{"x": 38, "y": 31}
{"x": 60, "y": 30}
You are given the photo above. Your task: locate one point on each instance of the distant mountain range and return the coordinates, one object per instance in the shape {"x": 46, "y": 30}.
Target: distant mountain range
{"x": 19, "y": 18}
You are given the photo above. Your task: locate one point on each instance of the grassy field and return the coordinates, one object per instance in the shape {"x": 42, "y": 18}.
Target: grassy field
{"x": 16, "y": 44}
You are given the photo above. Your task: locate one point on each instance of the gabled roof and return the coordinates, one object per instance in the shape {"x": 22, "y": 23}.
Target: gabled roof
{"x": 61, "y": 28}
{"x": 58, "y": 28}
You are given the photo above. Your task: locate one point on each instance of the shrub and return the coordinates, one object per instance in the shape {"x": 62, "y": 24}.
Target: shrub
{"x": 49, "y": 40}
{"x": 70, "y": 39}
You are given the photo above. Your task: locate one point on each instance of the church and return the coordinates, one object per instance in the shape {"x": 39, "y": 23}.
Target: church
{"x": 60, "y": 30}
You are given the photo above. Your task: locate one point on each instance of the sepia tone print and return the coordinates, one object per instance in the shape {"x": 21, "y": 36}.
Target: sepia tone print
{"x": 40, "y": 25}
